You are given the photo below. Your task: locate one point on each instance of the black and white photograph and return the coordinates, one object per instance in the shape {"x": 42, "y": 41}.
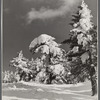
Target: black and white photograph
{"x": 49, "y": 50}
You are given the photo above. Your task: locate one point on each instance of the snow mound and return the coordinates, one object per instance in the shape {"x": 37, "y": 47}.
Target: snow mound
{"x": 51, "y": 85}
{"x": 40, "y": 90}
{"x": 15, "y": 88}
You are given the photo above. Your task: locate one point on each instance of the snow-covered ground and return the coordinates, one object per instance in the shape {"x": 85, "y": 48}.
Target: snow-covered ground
{"x": 35, "y": 91}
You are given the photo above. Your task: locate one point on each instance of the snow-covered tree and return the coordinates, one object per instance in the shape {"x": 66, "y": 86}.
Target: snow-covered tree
{"x": 21, "y": 65}
{"x": 47, "y": 46}
{"x": 36, "y": 65}
{"x": 51, "y": 53}
{"x": 6, "y": 77}
{"x": 83, "y": 46}
{"x": 9, "y": 77}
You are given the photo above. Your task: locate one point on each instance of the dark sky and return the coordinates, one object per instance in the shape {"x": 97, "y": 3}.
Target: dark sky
{"x": 23, "y": 20}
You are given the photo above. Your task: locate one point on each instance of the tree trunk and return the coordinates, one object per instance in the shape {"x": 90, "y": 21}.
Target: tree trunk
{"x": 93, "y": 81}
{"x": 92, "y": 73}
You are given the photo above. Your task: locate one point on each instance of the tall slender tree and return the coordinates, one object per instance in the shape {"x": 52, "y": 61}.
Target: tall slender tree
{"x": 83, "y": 45}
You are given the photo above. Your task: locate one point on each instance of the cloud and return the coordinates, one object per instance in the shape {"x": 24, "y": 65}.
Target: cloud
{"x": 45, "y": 13}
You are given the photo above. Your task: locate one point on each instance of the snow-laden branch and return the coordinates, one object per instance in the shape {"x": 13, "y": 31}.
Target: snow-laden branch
{"x": 46, "y": 45}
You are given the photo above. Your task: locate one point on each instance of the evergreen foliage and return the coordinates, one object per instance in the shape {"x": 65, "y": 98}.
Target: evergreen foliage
{"x": 83, "y": 46}
{"x": 9, "y": 77}
{"x": 55, "y": 65}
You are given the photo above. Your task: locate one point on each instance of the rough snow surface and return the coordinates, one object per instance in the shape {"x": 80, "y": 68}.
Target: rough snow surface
{"x": 34, "y": 91}
{"x": 51, "y": 85}
{"x": 14, "y": 88}
{"x": 15, "y": 98}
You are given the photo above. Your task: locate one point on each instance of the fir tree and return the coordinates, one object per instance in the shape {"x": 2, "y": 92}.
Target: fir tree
{"x": 52, "y": 55}
{"x": 21, "y": 65}
{"x": 47, "y": 46}
{"x": 83, "y": 46}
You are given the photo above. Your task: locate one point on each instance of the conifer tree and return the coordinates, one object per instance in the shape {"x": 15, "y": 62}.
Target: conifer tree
{"x": 83, "y": 46}
{"x": 21, "y": 65}
{"x": 51, "y": 52}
